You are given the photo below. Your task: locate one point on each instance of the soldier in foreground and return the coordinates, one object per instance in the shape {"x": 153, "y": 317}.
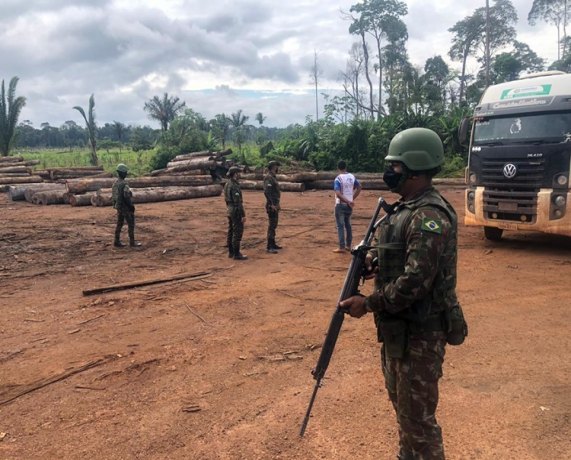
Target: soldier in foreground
{"x": 121, "y": 198}
{"x": 236, "y": 213}
{"x": 272, "y": 193}
{"x": 414, "y": 290}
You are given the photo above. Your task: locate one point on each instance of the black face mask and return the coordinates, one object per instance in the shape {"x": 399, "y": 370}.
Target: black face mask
{"x": 393, "y": 179}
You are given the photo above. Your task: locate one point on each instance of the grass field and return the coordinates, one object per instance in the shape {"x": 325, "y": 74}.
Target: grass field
{"x": 138, "y": 162}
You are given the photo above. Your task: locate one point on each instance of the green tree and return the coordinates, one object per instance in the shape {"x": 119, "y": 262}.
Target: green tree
{"x": 469, "y": 35}
{"x": 379, "y": 19}
{"x": 220, "y": 126}
{"x": 91, "y": 128}
{"x": 554, "y": 12}
{"x": 164, "y": 110}
{"x": 260, "y": 118}
{"x": 119, "y": 132}
{"x": 10, "y": 108}
{"x": 239, "y": 126}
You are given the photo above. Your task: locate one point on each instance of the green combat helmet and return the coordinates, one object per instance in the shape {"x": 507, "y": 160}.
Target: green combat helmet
{"x": 122, "y": 168}
{"x": 233, "y": 170}
{"x": 420, "y": 149}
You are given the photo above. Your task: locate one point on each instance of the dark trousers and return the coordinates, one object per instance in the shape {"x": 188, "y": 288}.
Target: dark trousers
{"x": 343, "y": 221}
{"x": 123, "y": 216}
{"x": 235, "y": 232}
{"x": 412, "y": 385}
{"x": 273, "y": 216}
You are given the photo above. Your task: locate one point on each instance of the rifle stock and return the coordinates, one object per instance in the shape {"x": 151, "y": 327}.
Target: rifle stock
{"x": 350, "y": 288}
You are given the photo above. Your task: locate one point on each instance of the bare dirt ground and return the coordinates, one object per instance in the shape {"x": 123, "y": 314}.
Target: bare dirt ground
{"x": 220, "y": 368}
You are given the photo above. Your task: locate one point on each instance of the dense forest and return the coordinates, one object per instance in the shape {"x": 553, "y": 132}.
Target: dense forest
{"x": 382, "y": 93}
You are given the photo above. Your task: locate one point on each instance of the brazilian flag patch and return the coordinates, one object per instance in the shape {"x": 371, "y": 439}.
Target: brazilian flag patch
{"x": 431, "y": 225}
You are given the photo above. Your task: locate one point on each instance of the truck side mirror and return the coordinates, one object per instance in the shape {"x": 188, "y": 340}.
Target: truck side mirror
{"x": 463, "y": 131}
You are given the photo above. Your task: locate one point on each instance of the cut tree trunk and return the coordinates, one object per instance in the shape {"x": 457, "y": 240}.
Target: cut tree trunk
{"x": 10, "y": 159}
{"x": 284, "y": 186}
{"x": 17, "y": 192}
{"x": 49, "y": 197}
{"x": 15, "y": 169}
{"x": 90, "y": 185}
{"x": 206, "y": 153}
{"x": 20, "y": 180}
{"x": 196, "y": 163}
{"x": 156, "y": 194}
{"x": 81, "y": 200}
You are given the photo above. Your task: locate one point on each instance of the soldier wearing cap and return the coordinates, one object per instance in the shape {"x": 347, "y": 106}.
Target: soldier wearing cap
{"x": 272, "y": 193}
{"x": 415, "y": 290}
{"x": 236, "y": 213}
{"x": 122, "y": 202}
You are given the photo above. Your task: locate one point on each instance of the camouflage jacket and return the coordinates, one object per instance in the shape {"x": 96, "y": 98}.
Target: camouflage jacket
{"x": 121, "y": 196}
{"x": 233, "y": 198}
{"x": 272, "y": 190}
{"x": 417, "y": 250}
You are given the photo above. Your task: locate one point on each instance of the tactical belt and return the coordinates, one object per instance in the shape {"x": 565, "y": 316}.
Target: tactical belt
{"x": 432, "y": 324}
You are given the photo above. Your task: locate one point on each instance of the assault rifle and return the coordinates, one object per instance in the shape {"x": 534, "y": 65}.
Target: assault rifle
{"x": 356, "y": 271}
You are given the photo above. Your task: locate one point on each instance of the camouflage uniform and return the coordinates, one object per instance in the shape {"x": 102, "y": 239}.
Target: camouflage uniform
{"x": 272, "y": 193}
{"x": 415, "y": 286}
{"x": 233, "y": 198}
{"x": 121, "y": 198}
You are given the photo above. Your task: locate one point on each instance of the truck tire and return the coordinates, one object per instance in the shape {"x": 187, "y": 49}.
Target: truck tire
{"x": 493, "y": 233}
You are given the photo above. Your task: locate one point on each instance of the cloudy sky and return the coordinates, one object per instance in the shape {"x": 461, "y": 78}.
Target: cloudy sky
{"x": 218, "y": 55}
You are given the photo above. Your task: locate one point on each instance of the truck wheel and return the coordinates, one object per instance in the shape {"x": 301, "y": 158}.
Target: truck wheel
{"x": 493, "y": 233}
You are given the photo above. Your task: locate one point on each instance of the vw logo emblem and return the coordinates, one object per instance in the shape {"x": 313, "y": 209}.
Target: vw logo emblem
{"x": 510, "y": 170}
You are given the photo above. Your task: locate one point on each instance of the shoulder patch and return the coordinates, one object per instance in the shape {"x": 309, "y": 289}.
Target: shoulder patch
{"x": 431, "y": 225}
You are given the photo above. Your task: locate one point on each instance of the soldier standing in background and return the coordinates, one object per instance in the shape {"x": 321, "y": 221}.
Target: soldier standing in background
{"x": 236, "y": 213}
{"x": 121, "y": 198}
{"x": 415, "y": 291}
{"x": 272, "y": 193}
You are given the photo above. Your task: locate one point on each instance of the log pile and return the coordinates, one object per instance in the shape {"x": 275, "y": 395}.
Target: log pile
{"x": 156, "y": 194}
{"x": 55, "y": 174}
{"x": 14, "y": 170}
{"x": 214, "y": 164}
{"x": 323, "y": 180}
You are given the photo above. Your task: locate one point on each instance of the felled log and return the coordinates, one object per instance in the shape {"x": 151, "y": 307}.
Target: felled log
{"x": 20, "y": 180}
{"x": 90, "y": 185}
{"x": 156, "y": 194}
{"x": 206, "y": 153}
{"x": 194, "y": 163}
{"x": 168, "y": 172}
{"x": 72, "y": 173}
{"x": 11, "y": 164}
{"x": 81, "y": 200}
{"x": 49, "y": 197}
{"x": 10, "y": 159}
{"x": 284, "y": 186}
{"x": 15, "y": 169}
{"x": 14, "y": 174}
{"x": 17, "y": 192}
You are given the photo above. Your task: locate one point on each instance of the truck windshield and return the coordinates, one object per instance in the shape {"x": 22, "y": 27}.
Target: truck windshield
{"x": 547, "y": 127}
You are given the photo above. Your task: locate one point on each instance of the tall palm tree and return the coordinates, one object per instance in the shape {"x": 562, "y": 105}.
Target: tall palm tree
{"x": 238, "y": 120}
{"x": 91, "y": 128}
{"x": 9, "y": 112}
{"x": 119, "y": 131}
{"x": 164, "y": 110}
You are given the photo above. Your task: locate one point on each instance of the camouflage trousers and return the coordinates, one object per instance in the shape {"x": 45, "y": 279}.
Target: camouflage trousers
{"x": 412, "y": 385}
{"x": 123, "y": 216}
{"x": 235, "y": 232}
{"x": 273, "y": 216}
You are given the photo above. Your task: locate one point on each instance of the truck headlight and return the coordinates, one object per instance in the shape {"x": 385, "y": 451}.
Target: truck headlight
{"x": 562, "y": 180}
{"x": 559, "y": 201}
{"x": 473, "y": 179}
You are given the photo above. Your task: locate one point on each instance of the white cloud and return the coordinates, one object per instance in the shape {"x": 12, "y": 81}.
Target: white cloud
{"x": 258, "y": 53}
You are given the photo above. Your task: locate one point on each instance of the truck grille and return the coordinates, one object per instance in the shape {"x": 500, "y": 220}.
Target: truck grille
{"x": 515, "y": 198}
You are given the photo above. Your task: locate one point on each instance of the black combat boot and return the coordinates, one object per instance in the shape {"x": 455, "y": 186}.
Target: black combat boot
{"x": 134, "y": 244}
{"x": 271, "y": 250}
{"x": 118, "y": 244}
{"x": 240, "y": 256}
{"x": 276, "y": 246}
